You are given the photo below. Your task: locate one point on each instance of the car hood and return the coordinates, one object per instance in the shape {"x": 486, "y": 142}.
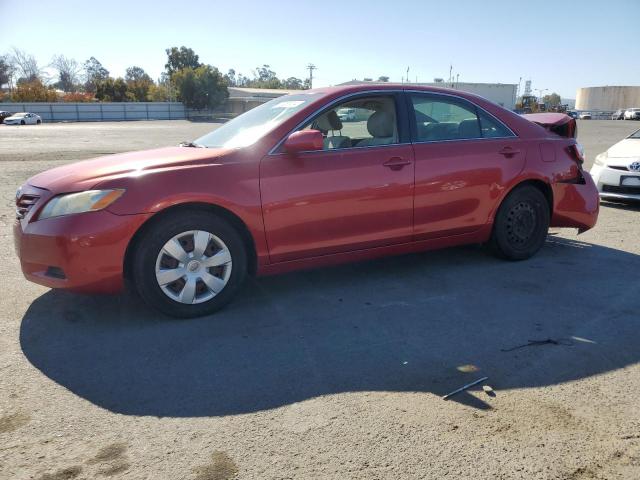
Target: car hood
{"x": 627, "y": 148}
{"x": 88, "y": 173}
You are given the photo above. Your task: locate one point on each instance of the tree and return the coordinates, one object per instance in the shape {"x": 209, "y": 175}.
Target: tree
{"x": 264, "y": 77}
{"x": 180, "y": 58}
{"x": 25, "y": 65}
{"x": 33, "y": 91}
{"x": 552, "y": 100}
{"x": 6, "y": 70}
{"x": 158, "y": 93}
{"x": 200, "y": 88}
{"x": 230, "y": 77}
{"x": 138, "y": 83}
{"x": 110, "y": 90}
{"x": 383, "y": 78}
{"x": 94, "y": 74}
{"x": 68, "y": 70}
{"x": 293, "y": 83}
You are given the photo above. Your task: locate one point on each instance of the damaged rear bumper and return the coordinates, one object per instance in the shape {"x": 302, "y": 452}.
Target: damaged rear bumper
{"x": 576, "y": 205}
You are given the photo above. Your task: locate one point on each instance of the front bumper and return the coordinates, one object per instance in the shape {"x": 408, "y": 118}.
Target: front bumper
{"x": 83, "y": 252}
{"x": 609, "y": 183}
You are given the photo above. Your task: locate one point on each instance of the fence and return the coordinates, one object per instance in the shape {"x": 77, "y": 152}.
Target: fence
{"x": 98, "y": 112}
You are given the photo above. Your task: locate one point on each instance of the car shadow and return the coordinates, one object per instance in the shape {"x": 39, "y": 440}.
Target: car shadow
{"x": 428, "y": 322}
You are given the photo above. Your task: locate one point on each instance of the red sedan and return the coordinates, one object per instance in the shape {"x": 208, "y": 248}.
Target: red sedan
{"x": 297, "y": 183}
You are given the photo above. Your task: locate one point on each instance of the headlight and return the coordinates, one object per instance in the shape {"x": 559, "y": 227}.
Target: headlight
{"x": 601, "y": 159}
{"x": 88, "y": 201}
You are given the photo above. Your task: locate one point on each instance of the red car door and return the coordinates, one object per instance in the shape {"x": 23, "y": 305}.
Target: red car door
{"x": 464, "y": 157}
{"x": 354, "y": 194}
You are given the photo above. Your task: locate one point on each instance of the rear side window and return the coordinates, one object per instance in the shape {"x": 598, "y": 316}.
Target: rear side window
{"x": 440, "y": 118}
{"x": 491, "y": 128}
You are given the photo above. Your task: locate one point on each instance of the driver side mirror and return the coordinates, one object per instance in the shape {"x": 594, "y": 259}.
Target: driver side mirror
{"x": 304, "y": 141}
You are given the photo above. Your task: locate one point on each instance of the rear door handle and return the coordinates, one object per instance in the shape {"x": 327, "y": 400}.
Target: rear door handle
{"x": 508, "y": 152}
{"x": 396, "y": 163}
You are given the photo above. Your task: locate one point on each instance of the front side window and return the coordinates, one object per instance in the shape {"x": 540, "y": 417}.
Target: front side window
{"x": 363, "y": 122}
{"x": 251, "y": 126}
{"x": 441, "y": 118}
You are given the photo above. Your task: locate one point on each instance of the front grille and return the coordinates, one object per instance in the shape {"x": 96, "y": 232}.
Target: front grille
{"x": 24, "y": 203}
{"x": 623, "y": 190}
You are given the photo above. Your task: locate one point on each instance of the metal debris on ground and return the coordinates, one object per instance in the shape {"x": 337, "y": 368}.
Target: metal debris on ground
{"x": 548, "y": 341}
{"x": 468, "y": 385}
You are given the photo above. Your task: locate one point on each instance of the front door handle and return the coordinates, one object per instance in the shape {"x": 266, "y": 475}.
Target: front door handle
{"x": 396, "y": 163}
{"x": 508, "y": 152}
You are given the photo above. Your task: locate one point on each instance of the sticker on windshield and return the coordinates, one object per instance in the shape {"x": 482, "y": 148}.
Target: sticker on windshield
{"x": 289, "y": 104}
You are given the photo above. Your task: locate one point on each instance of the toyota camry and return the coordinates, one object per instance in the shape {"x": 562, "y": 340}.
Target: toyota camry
{"x": 288, "y": 185}
{"x": 616, "y": 171}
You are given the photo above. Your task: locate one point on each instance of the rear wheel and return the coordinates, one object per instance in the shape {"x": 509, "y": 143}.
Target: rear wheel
{"x": 22, "y": 122}
{"x": 521, "y": 224}
{"x": 189, "y": 264}
{"x": 38, "y": 122}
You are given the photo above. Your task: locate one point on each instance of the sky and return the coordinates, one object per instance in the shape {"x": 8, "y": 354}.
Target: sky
{"x": 558, "y": 45}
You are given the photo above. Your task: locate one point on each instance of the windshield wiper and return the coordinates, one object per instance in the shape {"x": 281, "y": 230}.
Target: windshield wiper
{"x": 191, "y": 145}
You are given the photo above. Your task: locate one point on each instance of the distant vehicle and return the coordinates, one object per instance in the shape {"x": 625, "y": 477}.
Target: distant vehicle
{"x": 4, "y": 115}
{"x": 573, "y": 114}
{"x": 585, "y": 116}
{"x": 617, "y": 171}
{"x": 347, "y": 114}
{"x": 632, "y": 114}
{"x": 618, "y": 115}
{"x": 23, "y": 118}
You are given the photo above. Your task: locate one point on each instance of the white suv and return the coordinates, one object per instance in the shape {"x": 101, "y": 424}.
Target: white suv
{"x": 632, "y": 114}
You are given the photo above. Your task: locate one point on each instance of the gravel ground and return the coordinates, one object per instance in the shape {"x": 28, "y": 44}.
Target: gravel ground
{"x": 333, "y": 373}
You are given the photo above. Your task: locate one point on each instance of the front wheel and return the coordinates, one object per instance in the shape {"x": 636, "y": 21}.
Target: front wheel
{"x": 22, "y": 122}
{"x": 189, "y": 264}
{"x": 521, "y": 224}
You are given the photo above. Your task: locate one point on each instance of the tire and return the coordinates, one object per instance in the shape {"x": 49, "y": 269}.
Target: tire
{"x": 22, "y": 122}
{"x": 150, "y": 262}
{"x": 521, "y": 224}
{"x": 38, "y": 122}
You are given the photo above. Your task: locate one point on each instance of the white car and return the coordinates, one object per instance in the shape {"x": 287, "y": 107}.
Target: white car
{"x": 616, "y": 172}
{"x": 585, "y": 116}
{"x": 347, "y": 114}
{"x": 23, "y": 118}
{"x": 632, "y": 114}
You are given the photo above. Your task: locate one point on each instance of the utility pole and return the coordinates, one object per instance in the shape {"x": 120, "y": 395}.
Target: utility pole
{"x": 311, "y": 67}
{"x": 408, "y": 75}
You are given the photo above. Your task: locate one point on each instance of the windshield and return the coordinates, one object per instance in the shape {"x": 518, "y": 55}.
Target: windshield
{"x": 251, "y": 126}
{"x": 635, "y": 134}
{"x": 19, "y": 114}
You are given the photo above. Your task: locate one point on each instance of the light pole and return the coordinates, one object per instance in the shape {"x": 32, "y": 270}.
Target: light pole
{"x": 540, "y": 90}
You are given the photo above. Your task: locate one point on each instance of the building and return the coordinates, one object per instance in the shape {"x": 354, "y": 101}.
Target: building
{"x": 609, "y": 98}
{"x": 243, "y": 99}
{"x": 504, "y": 94}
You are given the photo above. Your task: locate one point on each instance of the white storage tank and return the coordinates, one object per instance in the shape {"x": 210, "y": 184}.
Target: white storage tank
{"x": 608, "y": 98}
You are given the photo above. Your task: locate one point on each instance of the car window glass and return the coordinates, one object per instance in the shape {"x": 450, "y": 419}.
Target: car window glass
{"x": 491, "y": 128}
{"x": 364, "y": 122}
{"x": 443, "y": 119}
